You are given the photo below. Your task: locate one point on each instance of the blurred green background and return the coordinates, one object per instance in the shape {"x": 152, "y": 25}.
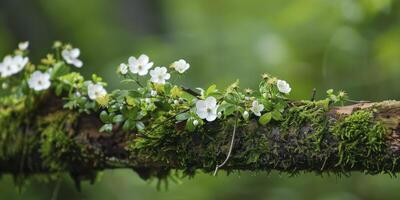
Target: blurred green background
{"x": 352, "y": 45}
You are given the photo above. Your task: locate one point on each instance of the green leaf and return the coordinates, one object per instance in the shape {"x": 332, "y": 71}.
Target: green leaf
{"x": 128, "y": 125}
{"x": 106, "y": 128}
{"x": 276, "y": 115}
{"x": 210, "y": 90}
{"x": 265, "y": 118}
{"x": 104, "y": 117}
{"x": 230, "y": 99}
{"x": 183, "y": 116}
{"x": 140, "y": 126}
{"x": 59, "y": 70}
{"x": 229, "y": 110}
{"x": 189, "y": 125}
{"x": 118, "y": 119}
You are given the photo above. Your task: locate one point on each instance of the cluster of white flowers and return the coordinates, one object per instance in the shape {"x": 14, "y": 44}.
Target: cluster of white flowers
{"x": 39, "y": 81}
{"x": 71, "y": 57}
{"x": 95, "y": 91}
{"x": 207, "y": 109}
{"x": 12, "y": 65}
{"x": 142, "y": 65}
{"x": 283, "y": 86}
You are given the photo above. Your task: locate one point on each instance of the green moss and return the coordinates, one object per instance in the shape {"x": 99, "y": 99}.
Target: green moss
{"x": 360, "y": 138}
{"x": 57, "y": 148}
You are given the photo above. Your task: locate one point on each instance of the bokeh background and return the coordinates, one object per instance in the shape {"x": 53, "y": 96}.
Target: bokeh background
{"x": 352, "y": 45}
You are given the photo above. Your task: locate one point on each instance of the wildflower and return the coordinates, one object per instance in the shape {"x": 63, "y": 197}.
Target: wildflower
{"x": 195, "y": 122}
{"x": 23, "y": 46}
{"x": 159, "y": 75}
{"x": 71, "y": 57}
{"x": 39, "y": 81}
{"x": 283, "y": 86}
{"x": 140, "y": 65}
{"x": 207, "y": 109}
{"x": 95, "y": 91}
{"x": 123, "y": 68}
{"x": 12, "y": 65}
{"x": 256, "y": 108}
{"x": 180, "y": 66}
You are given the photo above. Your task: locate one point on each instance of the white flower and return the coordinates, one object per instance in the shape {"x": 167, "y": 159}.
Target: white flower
{"x": 153, "y": 93}
{"x": 256, "y": 108}
{"x": 123, "y": 68}
{"x": 283, "y": 86}
{"x": 219, "y": 114}
{"x": 159, "y": 75}
{"x": 71, "y": 57}
{"x": 195, "y": 122}
{"x": 12, "y": 65}
{"x": 95, "y": 91}
{"x": 140, "y": 65}
{"x": 207, "y": 109}
{"x": 23, "y": 46}
{"x": 180, "y": 66}
{"x": 245, "y": 115}
{"x": 39, "y": 81}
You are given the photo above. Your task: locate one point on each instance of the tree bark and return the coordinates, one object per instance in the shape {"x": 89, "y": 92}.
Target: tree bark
{"x": 312, "y": 138}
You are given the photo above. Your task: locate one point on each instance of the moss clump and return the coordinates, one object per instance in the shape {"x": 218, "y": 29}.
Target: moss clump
{"x": 361, "y": 141}
{"x": 58, "y": 149}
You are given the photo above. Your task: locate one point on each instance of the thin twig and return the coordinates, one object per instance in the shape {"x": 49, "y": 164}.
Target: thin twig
{"x": 230, "y": 148}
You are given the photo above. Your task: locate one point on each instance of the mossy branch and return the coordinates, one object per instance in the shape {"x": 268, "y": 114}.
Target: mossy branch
{"x": 312, "y": 137}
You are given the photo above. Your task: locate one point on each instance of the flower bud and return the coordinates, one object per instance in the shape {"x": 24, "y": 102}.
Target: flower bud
{"x": 245, "y": 115}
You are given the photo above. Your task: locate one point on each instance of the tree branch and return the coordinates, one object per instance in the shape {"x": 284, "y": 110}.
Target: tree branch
{"x": 312, "y": 137}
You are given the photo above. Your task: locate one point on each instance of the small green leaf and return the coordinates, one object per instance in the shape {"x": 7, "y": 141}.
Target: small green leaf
{"x": 140, "y": 126}
{"x": 104, "y": 116}
{"x": 189, "y": 125}
{"x": 212, "y": 89}
{"x": 276, "y": 115}
{"x": 128, "y": 125}
{"x": 59, "y": 70}
{"x": 106, "y": 128}
{"x": 265, "y": 118}
{"x": 183, "y": 116}
{"x": 229, "y": 110}
{"x": 118, "y": 119}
